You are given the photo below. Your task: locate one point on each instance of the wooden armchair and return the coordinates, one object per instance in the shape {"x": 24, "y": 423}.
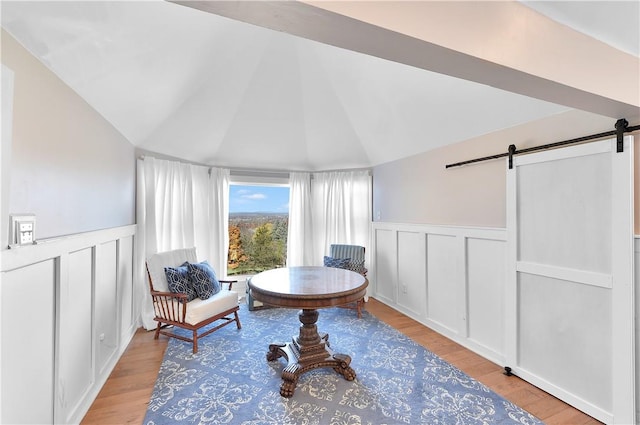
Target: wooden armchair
{"x": 172, "y": 308}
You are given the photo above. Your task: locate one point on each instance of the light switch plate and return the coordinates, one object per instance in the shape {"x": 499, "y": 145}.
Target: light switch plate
{"x": 22, "y": 229}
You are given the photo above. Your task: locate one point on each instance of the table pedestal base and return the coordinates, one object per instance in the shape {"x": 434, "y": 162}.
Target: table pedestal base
{"x": 310, "y": 350}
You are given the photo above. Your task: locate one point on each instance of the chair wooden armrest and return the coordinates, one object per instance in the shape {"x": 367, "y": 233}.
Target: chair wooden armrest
{"x": 171, "y": 306}
{"x": 176, "y": 295}
{"x": 230, "y": 282}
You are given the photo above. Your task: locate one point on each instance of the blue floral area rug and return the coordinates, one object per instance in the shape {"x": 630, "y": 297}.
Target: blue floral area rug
{"x": 229, "y": 380}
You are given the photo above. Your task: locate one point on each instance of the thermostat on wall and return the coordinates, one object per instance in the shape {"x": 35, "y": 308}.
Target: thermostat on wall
{"x": 22, "y": 229}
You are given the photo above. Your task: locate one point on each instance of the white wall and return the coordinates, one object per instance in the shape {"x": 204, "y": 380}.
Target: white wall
{"x": 452, "y": 279}
{"x": 5, "y": 146}
{"x": 65, "y": 162}
{"x": 66, "y": 304}
{"x": 67, "y": 314}
{"x": 419, "y": 189}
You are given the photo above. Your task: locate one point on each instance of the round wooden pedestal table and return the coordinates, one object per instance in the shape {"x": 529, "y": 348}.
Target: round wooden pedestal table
{"x": 309, "y": 289}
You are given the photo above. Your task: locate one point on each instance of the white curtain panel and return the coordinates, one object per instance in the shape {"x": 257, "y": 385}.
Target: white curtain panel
{"x": 179, "y": 206}
{"x": 141, "y": 286}
{"x": 300, "y": 248}
{"x": 341, "y": 210}
{"x": 219, "y": 218}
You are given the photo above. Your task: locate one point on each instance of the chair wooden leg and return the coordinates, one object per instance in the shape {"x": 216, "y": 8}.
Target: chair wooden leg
{"x": 157, "y": 331}
{"x": 235, "y": 313}
{"x": 195, "y": 341}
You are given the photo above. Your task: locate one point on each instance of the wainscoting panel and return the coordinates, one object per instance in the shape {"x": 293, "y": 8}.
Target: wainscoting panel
{"x": 480, "y": 256}
{"x": 75, "y": 318}
{"x": 443, "y": 293}
{"x": 385, "y": 265}
{"x": 454, "y": 279}
{"x": 27, "y": 336}
{"x": 485, "y": 291}
{"x": 125, "y": 289}
{"x": 412, "y": 280}
{"x": 106, "y": 310}
{"x": 80, "y": 314}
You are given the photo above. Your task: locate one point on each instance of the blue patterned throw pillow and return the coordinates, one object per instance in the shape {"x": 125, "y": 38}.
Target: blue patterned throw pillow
{"x": 179, "y": 281}
{"x": 338, "y": 263}
{"x": 204, "y": 279}
{"x": 357, "y": 266}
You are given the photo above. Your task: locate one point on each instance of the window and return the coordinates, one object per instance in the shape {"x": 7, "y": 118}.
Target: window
{"x": 258, "y": 226}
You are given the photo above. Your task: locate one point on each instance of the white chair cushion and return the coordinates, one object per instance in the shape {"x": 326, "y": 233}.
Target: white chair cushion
{"x": 199, "y": 310}
{"x": 157, "y": 262}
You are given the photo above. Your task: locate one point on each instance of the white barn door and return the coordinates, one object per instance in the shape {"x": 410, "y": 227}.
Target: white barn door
{"x": 570, "y": 303}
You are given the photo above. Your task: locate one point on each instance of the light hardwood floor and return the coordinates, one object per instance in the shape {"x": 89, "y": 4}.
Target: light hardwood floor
{"x": 124, "y": 397}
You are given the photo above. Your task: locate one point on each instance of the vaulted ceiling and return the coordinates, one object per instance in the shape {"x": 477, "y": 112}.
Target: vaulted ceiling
{"x": 210, "y": 84}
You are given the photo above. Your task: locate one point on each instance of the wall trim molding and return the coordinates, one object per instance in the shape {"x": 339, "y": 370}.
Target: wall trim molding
{"x": 493, "y": 233}
{"x": 86, "y": 282}
{"x": 21, "y": 256}
{"x": 466, "y": 248}
{"x": 427, "y": 283}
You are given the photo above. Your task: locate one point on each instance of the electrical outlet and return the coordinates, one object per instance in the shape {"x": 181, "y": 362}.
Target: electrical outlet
{"x": 404, "y": 288}
{"x": 25, "y": 233}
{"x": 22, "y": 229}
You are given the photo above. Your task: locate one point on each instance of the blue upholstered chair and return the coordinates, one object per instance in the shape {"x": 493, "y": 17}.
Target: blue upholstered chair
{"x": 355, "y": 254}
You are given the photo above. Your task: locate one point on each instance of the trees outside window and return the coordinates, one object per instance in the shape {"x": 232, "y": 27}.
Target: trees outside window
{"x": 258, "y": 226}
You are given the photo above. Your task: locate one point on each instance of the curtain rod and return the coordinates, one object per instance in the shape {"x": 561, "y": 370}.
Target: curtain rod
{"x": 250, "y": 170}
{"x": 260, "y": 172}
{"x": 622, "y": 126}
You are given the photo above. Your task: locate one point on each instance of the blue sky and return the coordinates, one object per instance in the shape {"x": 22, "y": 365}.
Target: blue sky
{"x": 246, "y": 198}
